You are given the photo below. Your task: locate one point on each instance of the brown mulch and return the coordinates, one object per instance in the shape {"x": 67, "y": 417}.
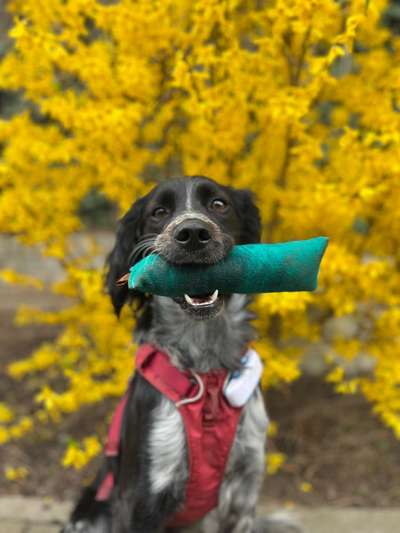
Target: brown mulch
{"x": 333, "y": 443}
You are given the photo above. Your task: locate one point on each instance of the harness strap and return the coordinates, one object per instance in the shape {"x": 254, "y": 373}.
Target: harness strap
{"x": 167, "y": 379}
{"x": 176, "y": 384}
{"x": 111, "y": 448}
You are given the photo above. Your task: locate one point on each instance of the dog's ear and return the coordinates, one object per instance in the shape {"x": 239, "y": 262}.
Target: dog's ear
{"x": 249, "y": 215}
{"x": 128, "y": 233}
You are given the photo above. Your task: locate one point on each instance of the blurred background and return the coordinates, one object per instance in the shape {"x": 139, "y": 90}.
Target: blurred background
{"x": 296, "y": 100}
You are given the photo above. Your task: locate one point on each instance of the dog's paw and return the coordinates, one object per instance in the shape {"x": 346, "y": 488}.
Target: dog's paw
{"x": 82, "y": 526}
{"x": 277, "y": 523}
{"x": 101, "y": 524}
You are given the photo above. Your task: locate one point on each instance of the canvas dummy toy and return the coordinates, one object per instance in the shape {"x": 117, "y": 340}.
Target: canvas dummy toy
{"x": 248, "y": 269}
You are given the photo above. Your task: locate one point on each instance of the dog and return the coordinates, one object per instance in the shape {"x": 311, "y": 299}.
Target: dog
{"x": 190, "y": 220}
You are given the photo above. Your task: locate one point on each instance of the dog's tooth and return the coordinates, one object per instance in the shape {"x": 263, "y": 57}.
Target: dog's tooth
{"x": 214, "y": 296}
{"x": 189, "y": 300}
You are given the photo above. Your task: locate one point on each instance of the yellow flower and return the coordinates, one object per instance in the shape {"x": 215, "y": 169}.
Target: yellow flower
{"x": 10, "y": 276}
{"x": 272, "y": 429}
{"x": 4, "y": 435}
{"x": 17, "y": 473}
{"x": 306, "y": 487}
{"x": 274, "y": 462}
{"x": 78, "y": 457}
{"x": 6, "y": 414}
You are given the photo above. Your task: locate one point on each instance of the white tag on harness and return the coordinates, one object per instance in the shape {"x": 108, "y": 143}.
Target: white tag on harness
{"x": 242, "y": 383}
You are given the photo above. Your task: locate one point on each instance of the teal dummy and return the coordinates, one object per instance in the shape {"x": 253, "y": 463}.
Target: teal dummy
{"x": 249, "y": 268}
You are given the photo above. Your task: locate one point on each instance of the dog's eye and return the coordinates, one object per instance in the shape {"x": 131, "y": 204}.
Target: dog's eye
{"x": 219, "y": 205}
{"x": 160, "y": 212}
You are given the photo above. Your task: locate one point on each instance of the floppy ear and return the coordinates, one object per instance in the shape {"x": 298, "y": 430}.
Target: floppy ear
{"x": 249, "y": 215}
{"x": 128, "y": 233}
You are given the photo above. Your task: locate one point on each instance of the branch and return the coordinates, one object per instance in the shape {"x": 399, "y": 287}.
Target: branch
{"x": 295, "y": 74}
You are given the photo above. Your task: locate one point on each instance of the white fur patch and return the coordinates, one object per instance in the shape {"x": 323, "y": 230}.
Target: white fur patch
{"x": 189, "y": 215}
{"x": 189, "y": 189}
{"x": 166, "y": 446}
{"x": 237, "y": 309}
{"x": 83, "y": 526}
{"x": 255, "y": 423}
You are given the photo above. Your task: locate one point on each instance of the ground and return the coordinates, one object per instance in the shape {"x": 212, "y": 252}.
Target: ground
{"x": 333, "y": 443}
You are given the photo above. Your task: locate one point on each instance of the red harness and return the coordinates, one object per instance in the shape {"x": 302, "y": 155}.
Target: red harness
{"x": 210, "y": 427}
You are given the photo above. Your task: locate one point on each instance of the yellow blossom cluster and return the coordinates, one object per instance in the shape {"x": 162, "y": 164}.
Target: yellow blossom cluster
{"x": 296, "y": 99}
{"x": 79, "y": 456}
{"x": 275, "y": 460}
{"x": 306, "y": 487}
{"x": 16, "y": 473}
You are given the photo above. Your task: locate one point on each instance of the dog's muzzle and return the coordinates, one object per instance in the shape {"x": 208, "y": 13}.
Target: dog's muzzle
{"x": 193, "y": 238}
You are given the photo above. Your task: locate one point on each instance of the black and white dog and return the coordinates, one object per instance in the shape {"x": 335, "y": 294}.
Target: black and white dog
{"x": 186, "y": 220}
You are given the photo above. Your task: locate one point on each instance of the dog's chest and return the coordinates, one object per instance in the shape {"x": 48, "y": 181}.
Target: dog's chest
{"x": 168, "y": 449}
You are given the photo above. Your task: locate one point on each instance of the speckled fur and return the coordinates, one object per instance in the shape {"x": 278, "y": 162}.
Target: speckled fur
{"x": 201, "y": 345}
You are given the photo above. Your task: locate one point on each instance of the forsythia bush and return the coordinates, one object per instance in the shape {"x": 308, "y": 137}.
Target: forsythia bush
{"x": 295, "y": 99}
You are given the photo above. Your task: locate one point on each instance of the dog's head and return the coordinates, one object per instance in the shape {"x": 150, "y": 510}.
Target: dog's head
{"x": 187, "y": 221}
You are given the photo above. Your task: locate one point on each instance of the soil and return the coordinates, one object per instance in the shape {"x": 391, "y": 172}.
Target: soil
{"x": 338, "y": 453}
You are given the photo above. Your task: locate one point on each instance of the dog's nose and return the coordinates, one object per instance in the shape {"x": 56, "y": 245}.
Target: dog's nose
{"x": 192, "y": 235}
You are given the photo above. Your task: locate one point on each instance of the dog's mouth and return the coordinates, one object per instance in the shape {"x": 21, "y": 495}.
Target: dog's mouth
{"x": 208, "y": 305}
{"x": 201, "y": 307}
{"x": 202, "y": 301}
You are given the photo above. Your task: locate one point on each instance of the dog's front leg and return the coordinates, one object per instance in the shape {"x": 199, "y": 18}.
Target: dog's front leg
{"x": 148, "y": 515}
{"x": 238, "y": 500}
{"x": 152, "y": 470}
{"x": 245, "y": 470}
